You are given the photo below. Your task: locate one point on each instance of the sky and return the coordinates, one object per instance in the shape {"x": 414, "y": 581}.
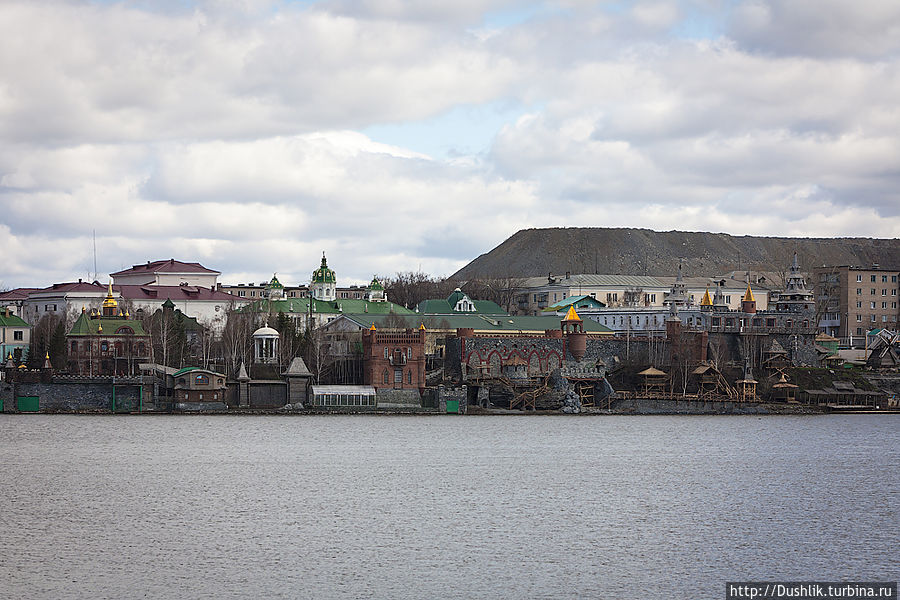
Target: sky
{"x": 254, "y": 135}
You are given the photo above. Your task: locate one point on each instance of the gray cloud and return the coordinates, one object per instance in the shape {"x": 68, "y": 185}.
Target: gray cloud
{"x": 228, "y": 131}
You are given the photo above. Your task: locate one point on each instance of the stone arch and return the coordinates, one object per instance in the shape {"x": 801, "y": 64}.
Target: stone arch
{"x": 494, "y": 361}
{"x": 534, "y": 363}
{"x": 553, "y": 361}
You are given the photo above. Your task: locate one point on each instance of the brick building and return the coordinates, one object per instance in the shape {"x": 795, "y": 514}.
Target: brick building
{"x": 107, "y": 341}
{"x": 394, "y": 359}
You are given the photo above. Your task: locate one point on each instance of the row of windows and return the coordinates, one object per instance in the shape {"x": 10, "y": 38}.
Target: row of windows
{"x": 874, "y": 318}
{"x": 874, "y": 278}
{"x": 215, "y": 396}
{"x": 884, "y": 305}
{"x": 344, "y": 400}
{"x": 873, "y": 291}
{"x": 400, "y": 350}
{"x": 398, "y": 376}
{"x": 104, "y": 347}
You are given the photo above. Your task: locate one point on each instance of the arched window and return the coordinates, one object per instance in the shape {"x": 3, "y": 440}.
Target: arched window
{"x": 384, "y": 377}
{"x": 124, "y": 330}
{"x": 201, "y": 380}
{"x": 104, "y": 346}
{"x": 409, "y": 377}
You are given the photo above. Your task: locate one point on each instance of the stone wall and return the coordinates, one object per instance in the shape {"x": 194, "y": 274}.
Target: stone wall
{"x": 398, "y": 399}
{"x": 443, "y": 393}
{"x": 79, "y": 395}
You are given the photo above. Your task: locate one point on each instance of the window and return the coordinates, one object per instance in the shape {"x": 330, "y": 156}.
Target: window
{"x": 252, "y": 293}
{"x": 18, "y": 335}
{"x": 241, "y": 293}
{"x": 384, "y": 377}
{"x": 872, "y": 292}
{"x": 409, "y": 377}
{"x": 858, "y": 318}
{"x": 398, "y": 376}
{"x": 408, "y": 352}
{"x": 74, "y": 346}
{"x": 859, "y": 278}
{"x": 883, "y": 292}
{"x": 871, "y": 305}
{"x": 893, "y": 305}
{"x": 859, "y": 331}
{"x": 859, "y": 291}
{"x": 727, "y": 299}
{"x": 858, "y": 304}
{"x": 201, "y": 380}
{"x": 873, "y": 279}
{"x": 789, "y": 323}
{"x": 884, "y": 278}
{"x": 104, "y": 346}
{"x": 884, "y": 305}
{"x": 770, "y": 322}
{"x": 893, "y": 279}
{"x": 893, "y": 292}
{"x": 385, "y": 355}
{"x": 874, "y": 318}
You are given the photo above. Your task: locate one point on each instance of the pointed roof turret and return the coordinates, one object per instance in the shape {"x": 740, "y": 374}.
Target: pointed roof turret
{"x": 572, "y": 315}
{"x": 748, "y": 295}
{"x": 706, "y": 301}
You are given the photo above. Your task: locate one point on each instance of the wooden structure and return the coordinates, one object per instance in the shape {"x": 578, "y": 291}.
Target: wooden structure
{"x": 712, "y": 385}
{"x": 654, "y": 382}
{"x": 746, "y": 389}
{"x": 783, "y": 391}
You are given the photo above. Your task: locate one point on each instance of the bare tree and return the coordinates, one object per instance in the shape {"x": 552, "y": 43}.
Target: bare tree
{"x": 236, "y": 341}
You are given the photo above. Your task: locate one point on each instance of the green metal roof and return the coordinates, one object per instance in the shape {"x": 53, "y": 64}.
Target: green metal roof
{"x": 445, "y": 307}
{"x": 376, "y": 285}
{"x": 577, "y": 301}
{"x": 12, "y": 321}
{"x": 323, "y": 274}
{"x": 85, "y": 325}
{"x": 275, "y": 284}
{"x": 342, "y": 305}
{"x": 477, "y": 322}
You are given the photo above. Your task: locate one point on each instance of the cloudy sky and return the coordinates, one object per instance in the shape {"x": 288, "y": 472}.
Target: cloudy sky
{"x": 251, "y": 135}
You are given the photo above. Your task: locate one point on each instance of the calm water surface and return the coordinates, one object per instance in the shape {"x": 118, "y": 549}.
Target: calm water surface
{"x": 442, "y": 507}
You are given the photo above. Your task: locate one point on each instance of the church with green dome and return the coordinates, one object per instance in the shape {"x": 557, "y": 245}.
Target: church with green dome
{"x": 323, "y": 283}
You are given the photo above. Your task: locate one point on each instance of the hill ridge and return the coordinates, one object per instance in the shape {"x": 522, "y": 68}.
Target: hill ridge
{"x": 636, "y": 251}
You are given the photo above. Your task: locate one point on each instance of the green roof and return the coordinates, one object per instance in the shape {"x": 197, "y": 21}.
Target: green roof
{"x": 477, "y": 322}
{"x": 376, "y": 285}
{"x": 275, "y": 284}
{"x": 85, "y": 325}
{"x": 343, "y": 305}
{"x": 12, "y": 321}
{"x": 577, "y": 301}
{"x": 445, "y": 307}
{"x": 323, "y": 274}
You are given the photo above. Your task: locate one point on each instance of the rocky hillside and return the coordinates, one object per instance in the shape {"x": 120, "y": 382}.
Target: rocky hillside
{"x": 535, "y": 252}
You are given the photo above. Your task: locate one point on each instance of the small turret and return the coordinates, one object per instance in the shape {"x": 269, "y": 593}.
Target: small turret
{"x": 748, "y": 304}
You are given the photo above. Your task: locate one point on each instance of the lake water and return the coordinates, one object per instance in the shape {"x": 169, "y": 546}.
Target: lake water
{"x": 442, "y": 507}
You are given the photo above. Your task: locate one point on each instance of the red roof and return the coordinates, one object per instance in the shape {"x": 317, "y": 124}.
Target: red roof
{"x": 172, "y": 292}
{"x": 17, "y": 294}
{"x": 74, "y": 286}
{"x": 167, "y": 266}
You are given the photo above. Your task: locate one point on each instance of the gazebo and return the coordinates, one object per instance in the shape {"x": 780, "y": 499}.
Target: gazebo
{"x": 782, "y": 391}
{"x": 654, "y": 381}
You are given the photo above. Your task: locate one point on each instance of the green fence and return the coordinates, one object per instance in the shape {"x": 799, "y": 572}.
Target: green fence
{"x": 27, "y": 403}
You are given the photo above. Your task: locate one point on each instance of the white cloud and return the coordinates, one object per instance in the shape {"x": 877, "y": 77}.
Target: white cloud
{"x": 228, "y": 131}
